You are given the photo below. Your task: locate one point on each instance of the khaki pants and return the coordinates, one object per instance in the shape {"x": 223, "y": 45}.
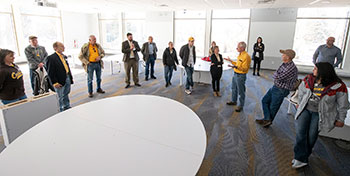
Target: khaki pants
{"x": 134, "y": 65}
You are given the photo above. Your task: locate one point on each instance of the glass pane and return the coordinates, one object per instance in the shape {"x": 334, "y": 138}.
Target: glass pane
{"x": 134, "y": 15}
{"x": 324, "y": 12}
{"x": 137, "y": 28}
{"x": 236, "y": 13}
{"x": 7, "y": 33}
{"x": 110, "y": 34}
{"x": 228, "y": 33}
{"x": 190, "y": 14}
{"x": 113, "y": 16}
{"x": 187, "y": 28}
{"x": 311, "y": 33}
{"x": 47, "y": 29}
{"x": 5, "y": 8}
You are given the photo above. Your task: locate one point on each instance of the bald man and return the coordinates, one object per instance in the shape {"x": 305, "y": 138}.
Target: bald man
{"x": 327, "y": 53}
{"x": 91, "y": 55}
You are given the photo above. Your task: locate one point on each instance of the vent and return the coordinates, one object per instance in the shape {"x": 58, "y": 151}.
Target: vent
{"x": 266, "y": 1}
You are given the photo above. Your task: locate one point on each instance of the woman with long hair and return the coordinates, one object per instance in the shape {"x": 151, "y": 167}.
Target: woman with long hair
{"x": 323, "y": 104}
{"x": 258, "y": 55}
{"x": 216, "y": 70}
{"x": 11, "y": 78}
{"x": 211, "y": 49}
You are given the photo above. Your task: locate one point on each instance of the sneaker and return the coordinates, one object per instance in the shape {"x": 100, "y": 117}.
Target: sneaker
{"x": 293, "y": 161}
{"x": 266, "y": 123}
{"x": 239, "y": 109}
{"x": 91, "y": 95}
{"x": 231, "y": 103}
{"x": 298, "y": 164}
{"x": 215, "y": 95}
{"x": 100, "y": 91}
{"x": 127, "y": 86}
{"x": 187, "y": 91}
{"x": 138, "y": 85}
{"x": 218, "y": 94}
{"x": 259, "y": 121}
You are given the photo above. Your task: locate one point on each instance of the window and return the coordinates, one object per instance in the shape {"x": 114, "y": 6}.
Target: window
{"x": 7, "y": 32}
{"x": 229, "y": 27}
{"x": 45, "y": 23}
{"x": 135, "y": 24}
{"x": 314, "y": 26}
{"x": 187, "y": 24}
{"x": 110, "y": 30}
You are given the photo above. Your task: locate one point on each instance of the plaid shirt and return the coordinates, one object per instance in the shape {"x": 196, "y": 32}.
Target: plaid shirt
{"x": 286, "y": 75}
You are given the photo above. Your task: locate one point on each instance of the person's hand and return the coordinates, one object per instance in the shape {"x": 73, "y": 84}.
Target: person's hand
{"x": 212, "y": 64}
{"x": 58, "y": 85}
{"x": 228, "y": 59}
{"x": 297, "y": 106}
{"x": 338, "y": 123}
{"x": 233, "y": 66}
{"x": 132, "y": 47}
{"x": 41, "y": 65}
{"x": 98, "y": 58}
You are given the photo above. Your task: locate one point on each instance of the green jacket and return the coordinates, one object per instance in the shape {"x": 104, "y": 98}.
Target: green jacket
{"x": 84, "y": 55}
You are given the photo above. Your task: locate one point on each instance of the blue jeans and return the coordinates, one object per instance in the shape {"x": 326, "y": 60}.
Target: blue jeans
{"x": 151, "y": 61}
{"x": 63, "y": 93}
{"x": 306, "y": 135}
{"x": 189, "y": 79}
{"x": 238, "y": 88}
{"x": 94, "y": 66}
{"x": 168, "y": 73}
{"x": 31, "y": 76}
{"x": 272, "y": 101}
{"x": 11, "y": 101}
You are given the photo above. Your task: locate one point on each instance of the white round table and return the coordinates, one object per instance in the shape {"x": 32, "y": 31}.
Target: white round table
{"x": 124, "y": 135}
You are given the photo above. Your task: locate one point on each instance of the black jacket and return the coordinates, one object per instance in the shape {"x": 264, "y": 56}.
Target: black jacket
{"x": 170, "y": 59}
{"x": 56, "y": 70}
{"x": 185, "y": 53}
{"x": 258, "y": 52}
{"x": 215, "y": 60}
{"x": 11, "y": 82}
{"x": 126, "y": 50}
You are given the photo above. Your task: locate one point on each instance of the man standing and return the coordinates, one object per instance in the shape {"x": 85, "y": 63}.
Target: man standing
{"x": 149, "y": 51}
{"x": 60, "y": 75}
{"x": 188, "y": 56}
{"x": 284, "y": 80}
{"x": 35, "y": 55}
{"x": 91, "y": 55}
{"x": 327, "y": 53}
{"x": 131, "y": 60}
{"x": 241, "y": 68}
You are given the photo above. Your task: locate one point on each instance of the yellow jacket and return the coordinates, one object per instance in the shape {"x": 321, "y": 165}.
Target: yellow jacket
{"x": 243, "y": 63}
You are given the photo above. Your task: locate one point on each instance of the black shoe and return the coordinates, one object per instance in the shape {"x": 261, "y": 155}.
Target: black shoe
{"x": 138, "y": 85}
{"x": 169, "y": 83}
{"x": 166, "y": 85}
{"x": 153, "y": 77}
{"x": 258, "y": 74}
{"x": 266, "y": 123}
{"x": 239, "y": 109}
{"x": 231, "y": 103}
{"x": 254, "y": 74}
{"x": 127, "y": 86}
{"x": 146, "y": 78}
{"x": 91, "y": 95}
{"x": 259, "y": 121}
{"x": 100, "y": 91}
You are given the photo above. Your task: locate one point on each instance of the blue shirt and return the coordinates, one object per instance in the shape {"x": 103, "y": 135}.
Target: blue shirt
{"x": 150, "y": 48}
{"x": 325, "y": 54}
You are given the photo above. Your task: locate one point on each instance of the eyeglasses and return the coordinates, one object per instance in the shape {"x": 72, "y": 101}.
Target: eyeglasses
{"x": 94, "y": 50}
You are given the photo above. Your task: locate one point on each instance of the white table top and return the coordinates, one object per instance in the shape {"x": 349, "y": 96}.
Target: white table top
{"x": 124, "y": 135}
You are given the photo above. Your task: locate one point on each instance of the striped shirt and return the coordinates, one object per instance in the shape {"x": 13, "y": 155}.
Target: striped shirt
{"x": 312, "y": 104}
{"x": 286, "y": 76}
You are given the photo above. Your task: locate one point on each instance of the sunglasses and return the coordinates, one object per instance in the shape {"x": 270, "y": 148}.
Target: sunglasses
{"x": 94, "y": 50}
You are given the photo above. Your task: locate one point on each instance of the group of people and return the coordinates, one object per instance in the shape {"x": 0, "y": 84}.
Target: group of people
{"x": 322, "y": 95}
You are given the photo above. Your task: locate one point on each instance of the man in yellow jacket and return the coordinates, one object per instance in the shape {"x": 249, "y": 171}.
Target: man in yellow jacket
{"x": 240, "y": 68}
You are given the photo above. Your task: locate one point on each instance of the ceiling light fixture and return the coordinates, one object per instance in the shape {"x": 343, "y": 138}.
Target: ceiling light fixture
{"x": 314, "y": 2}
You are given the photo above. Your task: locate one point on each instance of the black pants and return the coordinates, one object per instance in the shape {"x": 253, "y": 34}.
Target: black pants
{"x": 216, "y": 73}
{"x": 256, "y": 62}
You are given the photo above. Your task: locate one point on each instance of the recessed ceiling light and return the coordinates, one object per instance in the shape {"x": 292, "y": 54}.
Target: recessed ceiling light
{"x": 163, "y": 5}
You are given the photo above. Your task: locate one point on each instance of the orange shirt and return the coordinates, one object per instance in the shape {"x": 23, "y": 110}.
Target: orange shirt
{"x": 93, "y": 53}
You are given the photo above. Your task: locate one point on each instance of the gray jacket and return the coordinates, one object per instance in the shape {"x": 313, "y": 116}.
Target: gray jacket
{"x": 145, "y": 51}
{"x": 333, "y": 105}
{"x": 35, "y": 56}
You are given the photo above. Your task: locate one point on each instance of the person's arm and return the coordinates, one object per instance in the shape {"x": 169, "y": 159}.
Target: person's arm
{"x": 213, "y": 59}
{"x": 137, "y": 47}
{"x": 262, "y": 47}
{"x": 314, "y": 58}
{"x": 102, "y": 52}
{"x": 126, "y": 48}
{"x": 244, "y": 67}
{"x": 342, "y": 104}
{"x": 164, "y": 57}
{"x": 339, "y": 58}
{"x": 176, "y": 60}
{"x": 2, "y": 80}
{"x": 283, "y": 75}
{"x": 30, "y": 57}
{"x": 50, "y": 66}
{"x": 182, "y": 52}
{"x": 155, "y": 47}
{"x": 143, "y": 48}
{"x": 82, "y": 57}
{"x": 256, "y": 48}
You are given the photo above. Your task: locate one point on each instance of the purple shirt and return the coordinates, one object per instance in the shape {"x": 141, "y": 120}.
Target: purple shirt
{"x": 286, "y": 75}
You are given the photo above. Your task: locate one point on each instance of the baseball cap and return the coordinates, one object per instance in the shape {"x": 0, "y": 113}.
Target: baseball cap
{"x": 289, "y": 52}
{"x": 191, "y": 39}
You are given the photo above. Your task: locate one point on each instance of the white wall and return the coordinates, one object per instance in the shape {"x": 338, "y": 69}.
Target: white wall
{"x": 78, "y": 26}
{"x": 277, "y": 28}
{"x": 160, "y": 26}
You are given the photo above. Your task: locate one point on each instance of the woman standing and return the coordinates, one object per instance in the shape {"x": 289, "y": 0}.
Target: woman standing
{"x": 169, "y": 60}
{"x": 258, "y": 54}
{"x": 216, "y": 70}
{"x": 11, "y": 79}
{"x": 323, "y": 104}
{"x": 211, "y": 49}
